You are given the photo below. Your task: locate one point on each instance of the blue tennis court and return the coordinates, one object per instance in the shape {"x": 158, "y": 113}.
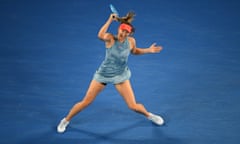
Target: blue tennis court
{"x": 49, "y": 51}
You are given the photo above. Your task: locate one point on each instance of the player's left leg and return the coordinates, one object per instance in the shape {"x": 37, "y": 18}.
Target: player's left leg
{"x": 126, "y": 91}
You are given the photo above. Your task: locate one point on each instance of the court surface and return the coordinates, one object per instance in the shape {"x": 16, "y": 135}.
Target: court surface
{"x": 49, "y": 51}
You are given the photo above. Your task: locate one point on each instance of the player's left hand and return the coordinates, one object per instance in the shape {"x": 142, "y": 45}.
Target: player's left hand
{"x": 154, "y": 48}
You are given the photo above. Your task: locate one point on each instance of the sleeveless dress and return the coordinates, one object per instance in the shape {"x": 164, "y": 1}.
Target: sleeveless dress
{"x": 114, "y": 68}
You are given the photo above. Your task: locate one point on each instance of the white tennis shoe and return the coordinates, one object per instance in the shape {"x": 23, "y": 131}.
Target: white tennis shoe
{"x": 62, "y": 125}
{"x": 158, "y": 120}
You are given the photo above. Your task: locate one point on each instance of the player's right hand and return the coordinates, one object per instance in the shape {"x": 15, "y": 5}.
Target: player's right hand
{"x": 113, "y": 16}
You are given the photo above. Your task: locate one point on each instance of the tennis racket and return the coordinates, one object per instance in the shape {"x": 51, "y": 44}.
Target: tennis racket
{"x": 113, "y": 9}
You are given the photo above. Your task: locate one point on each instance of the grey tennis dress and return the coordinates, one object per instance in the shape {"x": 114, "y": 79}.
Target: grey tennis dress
{"x": 114, "y": 68}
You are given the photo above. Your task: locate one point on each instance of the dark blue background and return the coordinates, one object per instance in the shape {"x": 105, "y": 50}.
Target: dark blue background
{"x": 49, "y": 51}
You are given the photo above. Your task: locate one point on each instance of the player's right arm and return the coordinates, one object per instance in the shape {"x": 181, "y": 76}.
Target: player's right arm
{"x": 108, "y": 38}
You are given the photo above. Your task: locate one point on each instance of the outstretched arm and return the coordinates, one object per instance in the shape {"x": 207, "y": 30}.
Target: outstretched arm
{"x": 137, "y": 51}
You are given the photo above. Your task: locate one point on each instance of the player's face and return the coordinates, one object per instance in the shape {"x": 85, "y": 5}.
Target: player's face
{"x": 122, "y": 33}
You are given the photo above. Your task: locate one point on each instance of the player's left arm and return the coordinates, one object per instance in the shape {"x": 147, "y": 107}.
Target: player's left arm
{"x": 138, "y": 51}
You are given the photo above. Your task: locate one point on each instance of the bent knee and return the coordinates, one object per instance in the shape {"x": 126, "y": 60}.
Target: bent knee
{"x": 86, "y": 102}
{"x": 134, "y": 107}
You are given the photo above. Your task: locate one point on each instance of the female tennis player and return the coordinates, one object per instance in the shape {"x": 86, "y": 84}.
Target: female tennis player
{"x": 114, "y": 70}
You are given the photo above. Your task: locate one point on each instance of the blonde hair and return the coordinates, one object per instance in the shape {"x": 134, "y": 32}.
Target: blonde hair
{"x": 127, "y": 19}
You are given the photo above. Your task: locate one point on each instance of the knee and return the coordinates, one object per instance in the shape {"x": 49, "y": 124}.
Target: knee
{"x": 134, "y": 107}
{"x": 85, "y": 102}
